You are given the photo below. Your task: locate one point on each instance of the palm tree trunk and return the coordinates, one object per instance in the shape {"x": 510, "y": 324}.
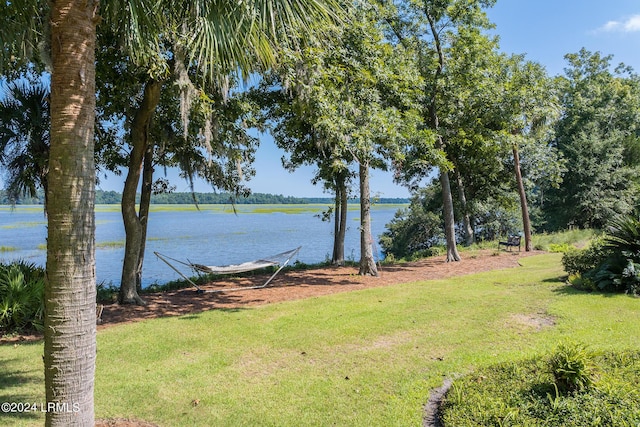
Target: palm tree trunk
{"x": 132, "y": 225}
{"x": 367, "y": 263}
{"x": 70, "y": 292}
{"x": 526, "y": 222}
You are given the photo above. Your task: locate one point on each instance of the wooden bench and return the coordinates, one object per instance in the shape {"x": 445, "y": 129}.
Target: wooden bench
{"x": 512, "y": 241}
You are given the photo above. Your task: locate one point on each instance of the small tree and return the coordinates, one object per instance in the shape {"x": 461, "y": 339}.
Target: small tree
{"x": 24, "y": 138}
{"x": 352, "y": 102}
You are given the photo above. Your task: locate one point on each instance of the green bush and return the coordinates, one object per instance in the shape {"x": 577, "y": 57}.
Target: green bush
{"x": 411, "y": 231}
{"x": 106, "y": 293}
{"x": 571, "y": 367}
{"x": 21, "y": 297}
{"x": 524, "y": 393}
{"x": 612, "y": 262}
{"x": 622, "y": 271}
{"x": 580, "y": 261}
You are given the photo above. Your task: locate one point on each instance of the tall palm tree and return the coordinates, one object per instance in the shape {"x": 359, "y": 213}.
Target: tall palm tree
{"x": 70, "y": 324}
{"x": 24, "y": 138}
{"x": 70, "y": 292}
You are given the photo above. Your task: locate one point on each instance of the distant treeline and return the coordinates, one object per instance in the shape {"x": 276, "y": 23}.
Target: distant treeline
{"x": 113, "y": 197}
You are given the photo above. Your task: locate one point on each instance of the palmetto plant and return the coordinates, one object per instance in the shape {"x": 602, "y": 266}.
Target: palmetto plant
{"x": 21, "y": 297}
{"x": 623, "y": 241}
{"x": 623, "y": 235}
{"x": 24, "y": 138}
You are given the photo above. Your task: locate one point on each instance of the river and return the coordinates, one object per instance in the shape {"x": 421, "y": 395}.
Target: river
{"x": 212, "y": 235}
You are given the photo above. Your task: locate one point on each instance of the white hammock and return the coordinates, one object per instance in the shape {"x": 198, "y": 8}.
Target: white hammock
{"x": 281, "y": 259}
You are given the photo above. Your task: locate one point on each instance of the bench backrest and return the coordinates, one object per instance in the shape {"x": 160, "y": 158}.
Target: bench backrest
{"x": 513, "y": 240}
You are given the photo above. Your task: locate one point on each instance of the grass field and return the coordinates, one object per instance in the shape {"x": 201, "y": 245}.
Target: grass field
{"x": 365, "y": 358}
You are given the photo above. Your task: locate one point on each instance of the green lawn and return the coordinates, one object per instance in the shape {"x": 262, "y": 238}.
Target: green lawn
{"x": 365, "y": 358}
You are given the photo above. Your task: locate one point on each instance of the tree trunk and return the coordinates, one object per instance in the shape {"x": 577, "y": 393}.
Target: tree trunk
{"x": 449, "y": 220}
{"x": 469, "y": 236}
{"x": 447, "y": 200}
{"x": 367, "y": 262}
{"x": 145, "y": 201}
{"x": 340, "y": 228}
{"x": 526, "y": 223}
{"x": 132, "y": 224}
{"x": 70, "y": 290}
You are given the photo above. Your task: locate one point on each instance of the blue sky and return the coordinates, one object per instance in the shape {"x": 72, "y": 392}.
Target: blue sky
{"x": 544, "y": 30}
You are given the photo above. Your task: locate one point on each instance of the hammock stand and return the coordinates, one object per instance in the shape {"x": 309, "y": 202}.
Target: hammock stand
{"x": 281, "y": 259}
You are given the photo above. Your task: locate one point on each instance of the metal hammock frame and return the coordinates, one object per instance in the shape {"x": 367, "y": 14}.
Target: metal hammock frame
{"x": 271, "y": 261}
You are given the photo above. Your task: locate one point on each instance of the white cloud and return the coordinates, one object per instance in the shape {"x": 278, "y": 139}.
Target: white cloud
{"x": 630, "y": 25}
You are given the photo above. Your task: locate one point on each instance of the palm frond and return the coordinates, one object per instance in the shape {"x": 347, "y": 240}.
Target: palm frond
{"x": 23, "y": 33}
{"x": 223, "y": 37}
{"x": 623, "y": 235}
{"x": 139, "y": 25}
{"x": 24, "y": 137}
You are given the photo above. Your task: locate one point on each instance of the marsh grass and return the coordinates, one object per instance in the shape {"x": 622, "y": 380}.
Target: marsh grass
{"x": 8, "y": 248}
{"x": 363, "y": 358}
{"x": 110, "y": 244}
{"x": 26, "y": 224}
{"x": 248, "y": 208}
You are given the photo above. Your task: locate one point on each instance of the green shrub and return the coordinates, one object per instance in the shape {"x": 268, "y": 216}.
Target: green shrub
{"x": 21, "y": 297}
{"x": 623, "y": 235}
{"x": 580, "y": 261}
{"x": 611, "y": 263}
{"x": 106, "y": 293}
{"x": 622, "y": 271}
{"x": 571, "y": 367}
{"x": 525, "y": 393}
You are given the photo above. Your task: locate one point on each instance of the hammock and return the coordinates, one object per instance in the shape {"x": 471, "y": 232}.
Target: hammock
{"x": 281, "y": 259}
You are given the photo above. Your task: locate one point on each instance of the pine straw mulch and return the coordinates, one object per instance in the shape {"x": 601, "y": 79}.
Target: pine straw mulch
{"x": 298, "y": 284}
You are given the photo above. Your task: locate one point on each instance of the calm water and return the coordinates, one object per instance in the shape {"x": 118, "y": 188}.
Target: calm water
{"x": 214, "y": 235}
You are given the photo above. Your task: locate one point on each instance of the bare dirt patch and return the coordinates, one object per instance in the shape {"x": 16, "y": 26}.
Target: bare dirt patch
{"x": 123, "y": 422}
{"x": 536, "y": 321}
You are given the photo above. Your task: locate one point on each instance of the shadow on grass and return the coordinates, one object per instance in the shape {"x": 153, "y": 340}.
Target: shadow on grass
{"x": 15, "y": 406}
{"x": 197, "y": 316}
{"x": 557, "y": 280}
{"x": 572, "y": 290}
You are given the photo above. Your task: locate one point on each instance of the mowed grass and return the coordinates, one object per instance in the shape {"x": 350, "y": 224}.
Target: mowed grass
{"x": 364, "y": 358}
